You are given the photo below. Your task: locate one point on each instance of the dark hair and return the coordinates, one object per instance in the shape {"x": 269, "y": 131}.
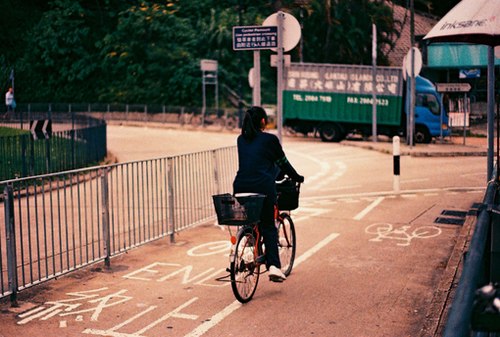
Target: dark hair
{"x": 252, "y": 122}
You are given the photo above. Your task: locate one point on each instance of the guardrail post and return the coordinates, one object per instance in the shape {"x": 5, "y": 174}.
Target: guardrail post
{"x": 216, "y": 172}
{"x": 170, "y": 198}
{"x": 105, "y": 217}
{"x": 11, "y": 243}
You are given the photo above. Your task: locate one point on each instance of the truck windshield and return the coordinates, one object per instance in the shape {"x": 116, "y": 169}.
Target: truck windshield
{"x": 428, "y": 101}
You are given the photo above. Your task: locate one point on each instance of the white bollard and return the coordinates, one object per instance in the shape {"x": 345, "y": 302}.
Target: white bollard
{"x": 396, "y": 163}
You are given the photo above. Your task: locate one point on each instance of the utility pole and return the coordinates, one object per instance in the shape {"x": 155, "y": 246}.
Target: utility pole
{"x": 412, "y": 77}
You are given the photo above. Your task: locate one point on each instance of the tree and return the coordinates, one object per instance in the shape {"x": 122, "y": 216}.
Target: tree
{"x": 148, "y": 58}
{"x": 345, "y": 33}
{"x": 62, "y": 57}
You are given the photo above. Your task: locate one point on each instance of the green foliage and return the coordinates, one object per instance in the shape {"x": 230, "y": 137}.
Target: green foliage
{"x": 346, "y": 35}
{"x": 6, "y": 132}
{"x": 149, "y": 56}
{"x": 149, "y": 51}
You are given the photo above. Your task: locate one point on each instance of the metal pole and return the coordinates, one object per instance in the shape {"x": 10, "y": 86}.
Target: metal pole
{"x": 465, "y": 116}
{"x": 280, "y": 18}
{"x": 374, "y": 83}
{"x": 256, "y": 78}
{"x": 10, "y": 238}
{"x": 105, "y": 218}
{"x": 412, "y": 75}
{"x": 216, "y": 93}
{"x": 204, "y": 107}
{"x": 171, "y": 209}
{"x": 491, "y": 110}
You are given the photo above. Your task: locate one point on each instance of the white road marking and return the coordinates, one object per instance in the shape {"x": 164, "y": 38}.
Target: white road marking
{"x": 391, "y": 193}
{"x": 368, "y": 209}
{"x": 315, "y": 249}
{"x": 218, "y": 317}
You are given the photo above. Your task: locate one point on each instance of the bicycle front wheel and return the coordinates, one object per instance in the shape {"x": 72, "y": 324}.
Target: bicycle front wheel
{"x": 286, "y": 243}
{"x": 244, "y": 268}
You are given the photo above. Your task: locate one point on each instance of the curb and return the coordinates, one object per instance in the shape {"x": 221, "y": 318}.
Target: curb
{"x": 386, "y": 148}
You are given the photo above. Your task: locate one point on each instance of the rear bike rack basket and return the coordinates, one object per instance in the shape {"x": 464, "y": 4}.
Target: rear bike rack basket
{"x": 238, "y": 210}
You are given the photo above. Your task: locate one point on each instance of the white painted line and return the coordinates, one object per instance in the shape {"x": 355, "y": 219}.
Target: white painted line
{"x": 218, "y": 317}
{"x": 368, "y": 209}
{"x": 315, "y": 249}
{"x": 33, "y": 311}
{"x": 214, "y": 320}
{"x": 389, "y": 193}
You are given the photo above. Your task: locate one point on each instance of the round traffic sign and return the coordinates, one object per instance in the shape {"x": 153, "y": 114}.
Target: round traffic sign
{"x": 291, "y": 29}
{"x": 417, "y": 65}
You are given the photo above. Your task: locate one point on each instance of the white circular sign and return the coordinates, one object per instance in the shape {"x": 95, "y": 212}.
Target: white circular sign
{"x": 417, "y": 64}
{"x": 291, "y": 29}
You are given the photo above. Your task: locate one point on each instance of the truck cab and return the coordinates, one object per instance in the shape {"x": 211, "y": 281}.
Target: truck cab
{"x": 431, "y": 119}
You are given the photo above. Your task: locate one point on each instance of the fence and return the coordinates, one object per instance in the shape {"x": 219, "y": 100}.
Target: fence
{"x": 481, "y": 266}
{"x": 80, "y": 141}
{"x": 128, "y": 112}
{"x": 56, "y": 223}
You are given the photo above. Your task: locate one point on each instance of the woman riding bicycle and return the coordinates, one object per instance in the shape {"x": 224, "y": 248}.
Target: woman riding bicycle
{"x": 260, "y": 159}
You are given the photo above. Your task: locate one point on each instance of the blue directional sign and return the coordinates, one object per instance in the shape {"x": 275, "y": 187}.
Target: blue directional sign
{"x": 255, "y": 37}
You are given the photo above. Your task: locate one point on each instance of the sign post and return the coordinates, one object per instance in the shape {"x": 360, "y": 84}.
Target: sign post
{"x": 209, "y": 76}
{"x": 279, "y": 93}
{"x": 412, "y": 64}
{"x": 279, "y": 32}
{"x": 374, "y": 82}
{"x": 289, "y": 33}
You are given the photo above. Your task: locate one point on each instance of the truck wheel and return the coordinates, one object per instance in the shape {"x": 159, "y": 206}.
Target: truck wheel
{"x": 422, "y": 135}
{"x": 330, "y": 132}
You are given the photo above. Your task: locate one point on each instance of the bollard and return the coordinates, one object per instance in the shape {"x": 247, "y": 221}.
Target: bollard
{"x": 396, "y": 162}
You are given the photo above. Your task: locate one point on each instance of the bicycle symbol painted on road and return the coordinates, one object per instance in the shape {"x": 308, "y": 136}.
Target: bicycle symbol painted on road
{"x": 387, "y": 231}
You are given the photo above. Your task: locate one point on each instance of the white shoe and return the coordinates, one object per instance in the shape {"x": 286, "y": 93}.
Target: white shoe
{"x": 276, "y": 275}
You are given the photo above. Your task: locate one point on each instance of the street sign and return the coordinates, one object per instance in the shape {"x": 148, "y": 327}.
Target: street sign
{"x": 255, "y": 37}
{"x": 453, "y": 87}
{"x": 41, "y": 129}
{"x": 417, "y": 63}
{"x": 291, "y": 29}
{"x": 208, "y": 65}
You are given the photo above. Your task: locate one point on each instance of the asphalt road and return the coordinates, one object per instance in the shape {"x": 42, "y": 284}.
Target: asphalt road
{"x": 370, "y": 262}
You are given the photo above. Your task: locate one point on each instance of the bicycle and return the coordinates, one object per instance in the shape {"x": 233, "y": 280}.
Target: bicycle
{"x": 220, "y": 119}
{"x": 247, "y": 251}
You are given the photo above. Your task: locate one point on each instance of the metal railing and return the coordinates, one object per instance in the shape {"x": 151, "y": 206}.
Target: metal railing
{"x": 124, "y": 112}
{"x": 480, "y": 267}
{"x": 56, "y": 223}
{"x": 79, "y": 141}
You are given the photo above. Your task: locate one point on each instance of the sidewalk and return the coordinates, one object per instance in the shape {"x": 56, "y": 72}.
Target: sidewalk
{"x": 449, "y": 147}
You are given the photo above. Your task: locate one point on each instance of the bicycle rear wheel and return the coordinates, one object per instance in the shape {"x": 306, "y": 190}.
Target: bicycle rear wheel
{"x": 244, "y": 269}
{"x": 286, "y": 243}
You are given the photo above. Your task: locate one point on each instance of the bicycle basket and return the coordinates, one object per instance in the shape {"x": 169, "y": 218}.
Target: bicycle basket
{"x": 288, "y": 195}
{"x": 238, "y": 211}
